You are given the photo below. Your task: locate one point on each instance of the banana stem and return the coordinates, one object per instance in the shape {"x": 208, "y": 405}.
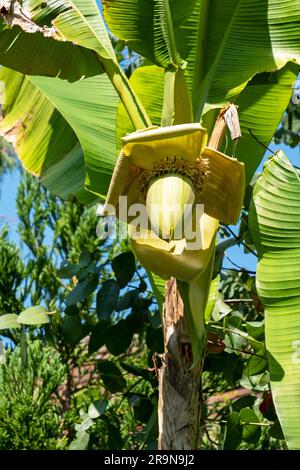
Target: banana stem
{"x": 180, "y": 397}
{"x": 132, "y": 103}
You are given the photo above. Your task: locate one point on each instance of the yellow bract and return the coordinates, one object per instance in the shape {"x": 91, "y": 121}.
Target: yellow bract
{"x": 218, "y": 179}
{"x": 173, "y": 165}
{"x": 174, "y": 258}
{"x": 224, "y": 188}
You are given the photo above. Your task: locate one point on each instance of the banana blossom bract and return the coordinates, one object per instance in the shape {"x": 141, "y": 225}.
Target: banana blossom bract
{"x": 217, "y": 180}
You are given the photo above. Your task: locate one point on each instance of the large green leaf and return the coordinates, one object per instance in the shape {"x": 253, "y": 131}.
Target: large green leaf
{"x": 261, "y": 106}
{"x": 82, "y": 24}
{"x": 41, "y": 115}
{"x": 45, "y": 142}
{"x": 149, "y": 27}
{"x": 274, "y": 220}
{"x": 36, "y": 315}
{"x": 225, "y": 42}
{"x": 89, "y": 106}
{"x": 229, "y": 41}
{"x": 35, "y": 53}
{"x": 261, "y": 103}
{"x": 9, "y": 320}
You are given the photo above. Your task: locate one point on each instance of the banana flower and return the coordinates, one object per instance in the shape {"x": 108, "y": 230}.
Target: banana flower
{"x": 168, "y": 169}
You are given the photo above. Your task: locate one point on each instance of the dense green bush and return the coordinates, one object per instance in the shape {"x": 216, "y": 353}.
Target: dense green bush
{"x": 30, "y": 411}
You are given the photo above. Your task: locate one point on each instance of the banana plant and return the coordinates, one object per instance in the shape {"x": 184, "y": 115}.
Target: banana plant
{"x": 70, "y": 110}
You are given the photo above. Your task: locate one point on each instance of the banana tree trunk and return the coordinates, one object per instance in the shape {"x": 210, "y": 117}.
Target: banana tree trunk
{"x": 180, "y": 396}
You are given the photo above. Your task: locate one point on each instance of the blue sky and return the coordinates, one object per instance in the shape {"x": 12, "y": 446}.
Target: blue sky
{"x": 8, "y": 194}
{"x": 8, "y": 213}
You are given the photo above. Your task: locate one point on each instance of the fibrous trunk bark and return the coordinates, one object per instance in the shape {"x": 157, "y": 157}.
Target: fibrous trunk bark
{"x": 180, "y": 396}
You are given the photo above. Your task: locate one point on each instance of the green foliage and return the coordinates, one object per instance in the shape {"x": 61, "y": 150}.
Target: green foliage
{"x": 30, "y": 409}
{"x": 240, "y": 411}
{"x": 12, "y": 274}
{"x": 61, "y": 252}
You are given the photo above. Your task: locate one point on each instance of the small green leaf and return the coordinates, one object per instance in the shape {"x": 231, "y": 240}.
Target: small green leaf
{"x": 115, "y": 440}
{"x": 212, "y": 298}
{"x": 155, "y": 319}
{"x": 118, "y": 337}
{"x": 37, "y": 315}
{"x": 233, "y": 433}
{"x": 67, "y": 271}
{"x": 9, "y": 321}
{"x": 72, "y": 310}
{"x": 256, "y": 329}
{"x": 236, "y": 338}
{"x": 151, "y": 430}
{"x": 220, "y": 309}
{"x": 85, "y": 424}
{"x": 251, "y": 433}
{"x": 142, "y": 407}
{"x": 82, "y": 290}
{"x": 124, "y": 268}
{"x": 232, "y": 369}
{"x": 154, "y": 339}
{"x": 243, "y": 403}
{"x": 84, "y": 258}
{"x": 127, "y": 300}
{"x": 97, "y": 408}
{"x": 81, "y": 441}
{"x": 257, "y": 363}
{"x": 107, "y": 299}
{"x": 111, "y": 376}
{"x": 97, "y": 338}
{"x": 72, "y": 329}
{"x": 220, "y": 251}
